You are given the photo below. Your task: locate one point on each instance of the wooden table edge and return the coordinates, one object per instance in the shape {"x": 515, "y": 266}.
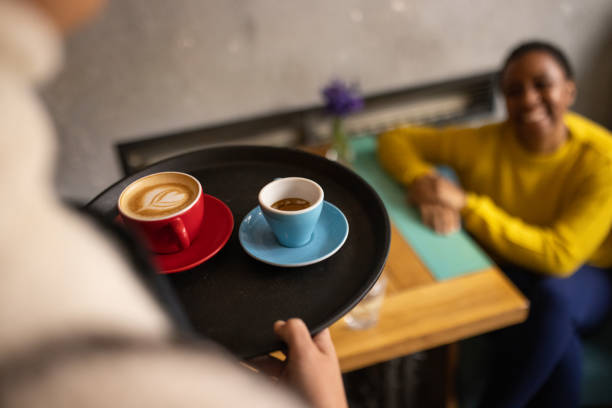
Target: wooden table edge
{"x": 431, "y": 315}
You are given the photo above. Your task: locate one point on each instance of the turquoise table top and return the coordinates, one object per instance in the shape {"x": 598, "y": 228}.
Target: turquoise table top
{"x": 445, "y": 256}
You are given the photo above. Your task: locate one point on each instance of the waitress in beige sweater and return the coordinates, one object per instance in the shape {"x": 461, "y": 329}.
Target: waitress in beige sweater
{"x": 77, "y": 328}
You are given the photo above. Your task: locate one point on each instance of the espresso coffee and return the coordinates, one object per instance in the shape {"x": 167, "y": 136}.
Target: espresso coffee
{"x": 300, "y": 201}
{"x": 158, "y": 196}
{"x": 291, "y": 204}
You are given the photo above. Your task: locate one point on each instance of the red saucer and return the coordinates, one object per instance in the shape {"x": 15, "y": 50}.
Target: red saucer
{"x": 216, "y": 229}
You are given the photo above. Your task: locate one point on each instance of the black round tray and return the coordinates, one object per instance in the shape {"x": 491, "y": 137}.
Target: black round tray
{"x": 234, "y": 299}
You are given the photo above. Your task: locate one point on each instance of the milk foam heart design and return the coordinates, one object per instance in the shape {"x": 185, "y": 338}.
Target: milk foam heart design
{"x": 166, "y": 208}
{"x": 163, "y": 198}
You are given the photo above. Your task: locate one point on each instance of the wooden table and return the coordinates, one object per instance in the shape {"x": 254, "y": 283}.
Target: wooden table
{"x": 421, "y": 313}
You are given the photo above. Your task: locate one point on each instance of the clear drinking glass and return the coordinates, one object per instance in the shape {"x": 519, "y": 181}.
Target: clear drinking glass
{"x": 365, "y": 314}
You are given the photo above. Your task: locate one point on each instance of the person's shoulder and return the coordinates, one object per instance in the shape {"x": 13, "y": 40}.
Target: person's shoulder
{"x": 592, "y": 137}
{"x": 584, "y": 126}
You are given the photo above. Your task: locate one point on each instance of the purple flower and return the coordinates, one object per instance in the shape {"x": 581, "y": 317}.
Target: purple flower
{"x": 340, "y": 99}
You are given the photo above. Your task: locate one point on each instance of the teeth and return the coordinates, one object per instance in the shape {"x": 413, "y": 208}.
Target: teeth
{"x": 534, "y": 116}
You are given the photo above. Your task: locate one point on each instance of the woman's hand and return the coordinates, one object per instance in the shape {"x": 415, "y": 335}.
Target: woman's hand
{"x": 443, "y": 220}
{"x": 312, "y": 364}
{"x": 439, "y": 200}
{"x": 435, "y": 189}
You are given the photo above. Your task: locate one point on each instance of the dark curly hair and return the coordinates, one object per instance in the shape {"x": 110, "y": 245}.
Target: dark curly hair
{"x": 542, "y": 46}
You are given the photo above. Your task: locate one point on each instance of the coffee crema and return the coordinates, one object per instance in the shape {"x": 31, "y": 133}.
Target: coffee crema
{"x": 291, "y": 204}
{"x": 159, "y": 200}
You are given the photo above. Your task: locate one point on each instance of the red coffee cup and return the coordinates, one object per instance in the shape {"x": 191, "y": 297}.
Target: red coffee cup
{"x": 165, "y": 208}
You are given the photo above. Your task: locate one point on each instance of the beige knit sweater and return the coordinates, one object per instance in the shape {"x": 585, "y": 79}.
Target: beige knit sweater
{"x": 60, "y": 278}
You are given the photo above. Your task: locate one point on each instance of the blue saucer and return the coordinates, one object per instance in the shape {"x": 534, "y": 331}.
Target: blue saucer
{"x": 258, "y": 241}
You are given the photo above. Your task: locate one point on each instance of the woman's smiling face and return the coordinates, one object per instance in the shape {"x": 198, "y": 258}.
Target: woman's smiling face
{"x": 538, "y": 93}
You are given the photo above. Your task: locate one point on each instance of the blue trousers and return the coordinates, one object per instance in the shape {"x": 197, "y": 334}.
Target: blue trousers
{"x": 538, "y": 363}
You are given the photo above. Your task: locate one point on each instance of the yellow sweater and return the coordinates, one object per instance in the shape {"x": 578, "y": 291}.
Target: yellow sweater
{"x": 550, "y": 213}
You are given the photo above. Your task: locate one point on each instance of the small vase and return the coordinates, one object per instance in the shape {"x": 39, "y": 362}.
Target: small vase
{"x": 340, "y": 150}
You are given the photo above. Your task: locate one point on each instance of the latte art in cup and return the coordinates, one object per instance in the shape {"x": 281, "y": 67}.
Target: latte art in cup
{"x": 159, "y": 200}
{"x": 166, "y": 209}
{"x": 159, "y": 196}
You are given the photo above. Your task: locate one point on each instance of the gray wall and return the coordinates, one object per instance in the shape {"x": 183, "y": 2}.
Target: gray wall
{"x": 149, "y": 66}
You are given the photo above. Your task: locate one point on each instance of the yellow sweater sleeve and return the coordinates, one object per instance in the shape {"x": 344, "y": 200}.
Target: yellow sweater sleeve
{"x": 409, "y": 152}
{"x": 558, "y": 249}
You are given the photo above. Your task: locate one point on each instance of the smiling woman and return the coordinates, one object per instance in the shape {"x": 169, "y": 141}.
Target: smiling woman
{"x": 536, "y": 192}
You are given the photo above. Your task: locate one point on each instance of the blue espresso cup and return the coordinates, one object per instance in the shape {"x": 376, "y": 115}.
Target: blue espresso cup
{"x": 292, "y": 228}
